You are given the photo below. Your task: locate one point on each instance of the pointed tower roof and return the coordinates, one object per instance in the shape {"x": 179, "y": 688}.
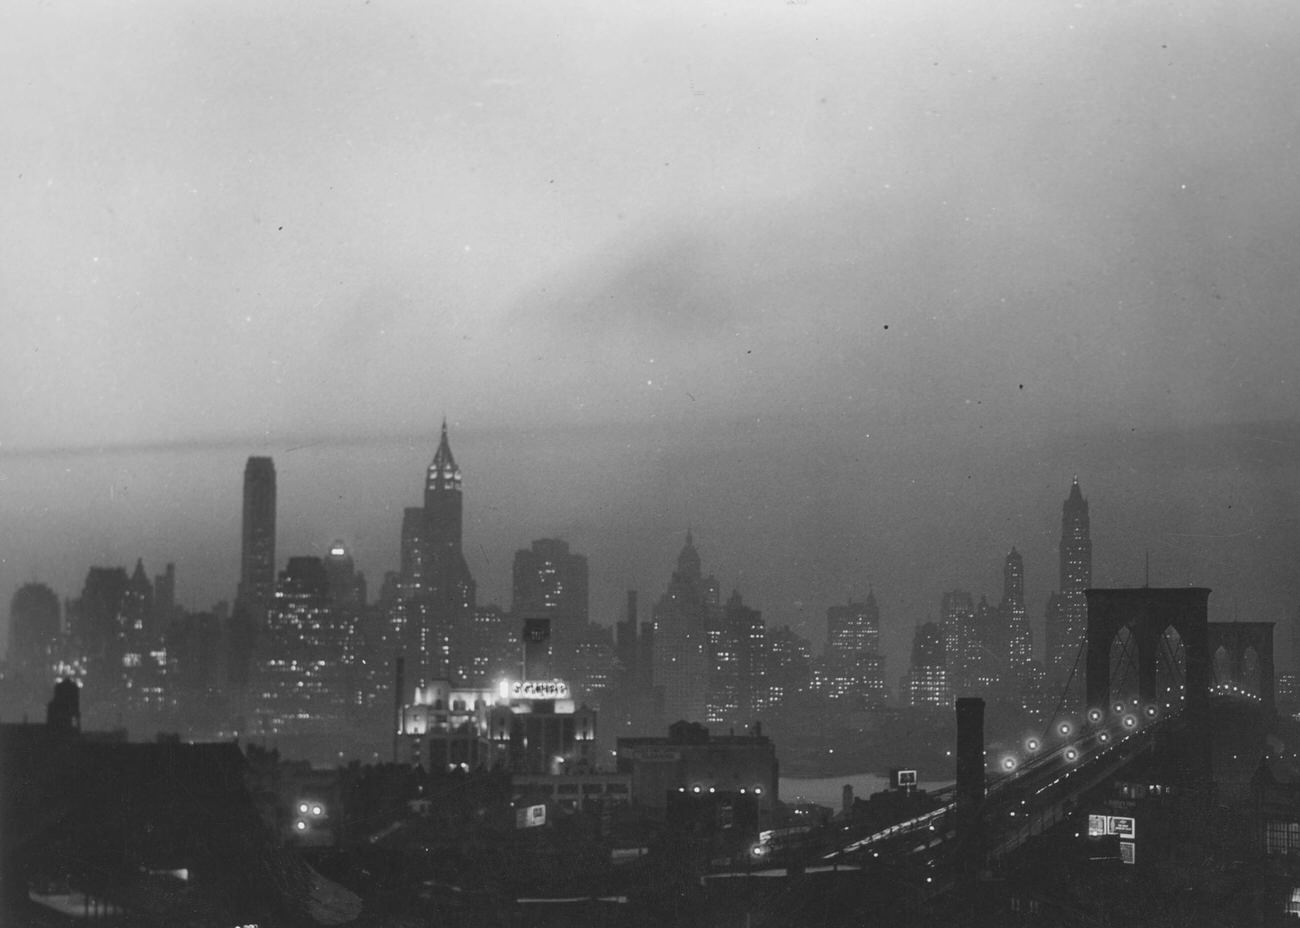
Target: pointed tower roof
{"x": 443, "y": 472}
{"x": 443, "y": 454}
{"x": 688, "y": 561}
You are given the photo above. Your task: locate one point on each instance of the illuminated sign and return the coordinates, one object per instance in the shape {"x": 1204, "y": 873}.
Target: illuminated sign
{"x": 1128, "y": 852}
{"x": 539, "y": 689}
{"x": 1124, "y": 826}
{"x": 530, "y": 816}
{"x": 906, "y": 778}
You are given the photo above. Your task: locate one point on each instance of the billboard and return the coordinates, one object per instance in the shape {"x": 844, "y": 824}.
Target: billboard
{"x": 1128, "y": 852}
{"x": 905, "y": 779}
{"x": 1125, "y": 826}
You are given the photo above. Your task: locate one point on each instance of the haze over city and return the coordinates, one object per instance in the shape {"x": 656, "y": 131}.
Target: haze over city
{"x": 851, "y": 290}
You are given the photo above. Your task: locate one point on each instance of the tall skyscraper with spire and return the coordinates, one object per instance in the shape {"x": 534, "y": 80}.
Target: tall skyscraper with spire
{"x": 257, "y": 551}
{"x": 437, "y": 590}
{"x": 1067, "y": 610}
{"x": 680, "y": 663}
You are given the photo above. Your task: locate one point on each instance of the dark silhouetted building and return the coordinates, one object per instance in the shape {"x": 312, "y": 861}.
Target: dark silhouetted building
{"x": 1019, "y": 638}
{"x": 788, "y": 666}
{"x": 681, "y": 620}
{"x": 35, "y": 645}
{"x": 435, "y": 609}
{"x": 1067, "y": 612}
{"x": 692, "y": 762}
{"x": 97, "y": 622}
{"x": 257, "y": 549}
{"x": 164, "y": 599}
{"x": 551, "y": 580}
{"x": 737, "y": 639}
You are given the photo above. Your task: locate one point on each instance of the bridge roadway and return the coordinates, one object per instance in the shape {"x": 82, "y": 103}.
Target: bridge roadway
{"x": 1038, "y": 794}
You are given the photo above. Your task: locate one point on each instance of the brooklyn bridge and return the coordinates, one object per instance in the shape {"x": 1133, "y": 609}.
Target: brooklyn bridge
{"x": 1164, "y": 796}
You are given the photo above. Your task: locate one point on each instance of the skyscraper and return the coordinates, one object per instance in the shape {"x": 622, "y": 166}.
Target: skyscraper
{"x": 438, "y": 592}
{"x": 551, "y": 580}
{"x": 854, "y": 666}
{"x": 927, "y": 682}
{"x": 736, "y": 636}
{"x": 1067, "y": 618}
{"x": 257, "y": 552}
{"x": 680, "y": 659}
{"x": 1018, "y": 638}
{"x": 35, "y": 645}
{"x": 305, "y": 671}
{"x": 853, "y": 628}
{"x": 960, "y": 638}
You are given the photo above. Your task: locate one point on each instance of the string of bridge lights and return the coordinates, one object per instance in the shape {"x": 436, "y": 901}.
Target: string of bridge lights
{"x": 1129, "y": 719}
{"x": 1127, "y": 715}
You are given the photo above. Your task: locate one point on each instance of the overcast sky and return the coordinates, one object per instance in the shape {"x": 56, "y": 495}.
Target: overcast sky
{"x": 852, "y": 288}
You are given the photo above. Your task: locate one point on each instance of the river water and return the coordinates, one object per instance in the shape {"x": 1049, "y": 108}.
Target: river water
{"x": 827, "y": 791}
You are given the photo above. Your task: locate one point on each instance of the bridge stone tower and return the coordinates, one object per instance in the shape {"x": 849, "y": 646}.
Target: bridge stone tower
{"x": 1147, "y": 612}
{"x": 1236, "y": 639}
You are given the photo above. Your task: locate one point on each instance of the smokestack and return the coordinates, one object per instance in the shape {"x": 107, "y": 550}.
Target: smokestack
{"x": 970, "y": 752}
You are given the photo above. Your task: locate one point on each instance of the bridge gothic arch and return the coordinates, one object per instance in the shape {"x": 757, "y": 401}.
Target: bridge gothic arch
{"x": 1247, "y": 658}
{"x": 1123, "y": 683}
{"x": 1169, "y": 629}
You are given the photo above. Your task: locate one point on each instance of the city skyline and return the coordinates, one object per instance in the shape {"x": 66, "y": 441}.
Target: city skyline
{"x": 903, "y": 608}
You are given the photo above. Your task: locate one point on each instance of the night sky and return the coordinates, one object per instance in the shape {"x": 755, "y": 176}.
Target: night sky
{"x": 853, "y": 289}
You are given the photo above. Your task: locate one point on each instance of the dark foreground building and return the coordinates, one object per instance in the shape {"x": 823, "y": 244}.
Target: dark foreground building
{"x": 151, "y": 834}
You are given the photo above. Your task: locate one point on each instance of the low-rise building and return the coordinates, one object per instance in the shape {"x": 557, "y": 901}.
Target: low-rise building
{"x": 692, "y": 761}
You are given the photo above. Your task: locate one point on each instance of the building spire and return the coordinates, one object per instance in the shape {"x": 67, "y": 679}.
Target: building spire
{"x": 443, "y": 472}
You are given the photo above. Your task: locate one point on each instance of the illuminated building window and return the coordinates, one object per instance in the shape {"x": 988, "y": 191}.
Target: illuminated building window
{"x": 1282, "y": 838}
